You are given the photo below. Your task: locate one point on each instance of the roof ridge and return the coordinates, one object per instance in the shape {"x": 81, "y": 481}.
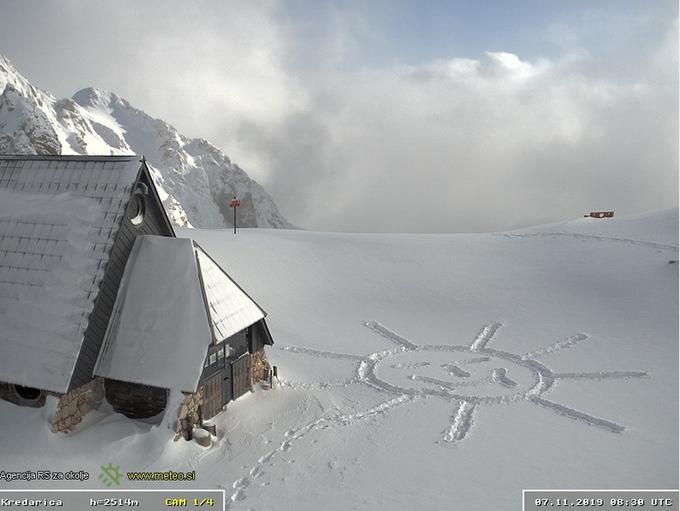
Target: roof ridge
{"x": 71, "y": 157}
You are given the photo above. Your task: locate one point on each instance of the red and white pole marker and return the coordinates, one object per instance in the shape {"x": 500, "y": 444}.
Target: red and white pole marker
{"x": 234, "y": 203}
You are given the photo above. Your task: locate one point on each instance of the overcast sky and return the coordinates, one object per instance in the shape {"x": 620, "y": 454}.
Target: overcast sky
{"x": 419, "y": 116}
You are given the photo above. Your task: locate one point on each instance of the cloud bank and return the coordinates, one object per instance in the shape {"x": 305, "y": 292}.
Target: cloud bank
{"x": 444, "y": 145}
{"x": 473, "y": 145}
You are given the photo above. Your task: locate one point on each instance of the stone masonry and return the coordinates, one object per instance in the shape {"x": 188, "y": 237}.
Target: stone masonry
{"x": 259, "y": 367}
{"x": 190, "y": 414}
{"x": 73, "y": 406}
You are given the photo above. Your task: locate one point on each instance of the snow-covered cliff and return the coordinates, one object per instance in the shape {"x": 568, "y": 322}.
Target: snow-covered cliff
{"x": 195, "y": 178}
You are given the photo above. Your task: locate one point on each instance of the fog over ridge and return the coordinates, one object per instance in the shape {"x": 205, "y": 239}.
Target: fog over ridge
{"x": 446, "y": 143}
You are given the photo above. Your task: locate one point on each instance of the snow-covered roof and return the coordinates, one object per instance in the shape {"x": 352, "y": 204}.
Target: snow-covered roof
{"x": 158, "y": 333}
{"x": 231, "y": 309}
{"x": 58, "y": 220}
{"x": 160, "y": 328}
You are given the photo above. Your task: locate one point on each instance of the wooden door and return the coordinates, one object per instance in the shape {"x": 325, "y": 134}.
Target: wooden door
{"x": 240, "y": 375}
{"x": 212, "y": 395}
{"x": 227, "y": 387}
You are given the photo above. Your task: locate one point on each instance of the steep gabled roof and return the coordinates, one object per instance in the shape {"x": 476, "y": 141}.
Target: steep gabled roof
{"x": 171, "y": 298}
{"x": 230, "y": 308}
{"x": 58, "y": 220}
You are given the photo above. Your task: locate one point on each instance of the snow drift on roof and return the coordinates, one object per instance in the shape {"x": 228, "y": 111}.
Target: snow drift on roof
{"x": 159, "y": 332}
{"x": 58, "y": 219}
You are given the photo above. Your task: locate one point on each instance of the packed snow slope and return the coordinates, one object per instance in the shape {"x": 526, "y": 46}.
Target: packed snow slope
{"x": 195, "y": 179}
{"x": 428, "y": 371}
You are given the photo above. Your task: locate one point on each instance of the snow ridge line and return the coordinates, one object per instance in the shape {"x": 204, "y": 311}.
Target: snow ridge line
{"x": 602, "y": 375}
{"x": 462, "y": 422}
{"x": 484, "y": 336}
{"x": 570, "y": 341}
{"x": 449, "y": 384}
{"x": 413, "y": 365}
{"x": 298, "y": 385}
{"x": 388, "y": 334}
{"x": 380, "y": 409}
{"x": 475, "y": 360}
{"x": 650, "y": 244}
{"x": 320, "y": 353}
{"x": 575, "y": 414}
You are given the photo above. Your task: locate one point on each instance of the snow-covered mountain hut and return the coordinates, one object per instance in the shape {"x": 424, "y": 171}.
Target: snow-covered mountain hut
{"x": 99, "y": 299}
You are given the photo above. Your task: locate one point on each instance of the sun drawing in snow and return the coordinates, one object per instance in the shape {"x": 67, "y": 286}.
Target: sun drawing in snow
{"x": 466, "y": 376}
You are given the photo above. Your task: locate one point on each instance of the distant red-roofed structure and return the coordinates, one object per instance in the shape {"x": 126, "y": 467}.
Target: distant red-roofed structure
{"x": 600, "y": 214}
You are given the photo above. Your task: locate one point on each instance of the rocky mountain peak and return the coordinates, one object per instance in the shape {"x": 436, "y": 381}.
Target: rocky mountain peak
{"x": 195, "y": 179}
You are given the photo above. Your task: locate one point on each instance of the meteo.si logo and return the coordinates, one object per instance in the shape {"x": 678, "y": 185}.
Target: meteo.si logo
{"x": 110, "y": 475}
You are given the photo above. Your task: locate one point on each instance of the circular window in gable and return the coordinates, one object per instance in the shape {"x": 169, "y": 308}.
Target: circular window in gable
{"x": 136, "y": 208}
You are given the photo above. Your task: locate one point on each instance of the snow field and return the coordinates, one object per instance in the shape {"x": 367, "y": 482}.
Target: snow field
{"x": 430, "y": 371}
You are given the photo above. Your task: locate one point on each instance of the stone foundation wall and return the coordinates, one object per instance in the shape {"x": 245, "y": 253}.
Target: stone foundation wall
{"x": 73, "y": 406}
{"x": 190, "y": 414}
{"x": 259, "y": 366}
